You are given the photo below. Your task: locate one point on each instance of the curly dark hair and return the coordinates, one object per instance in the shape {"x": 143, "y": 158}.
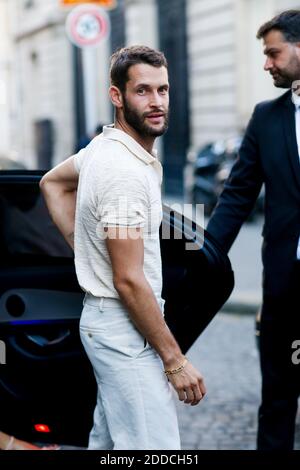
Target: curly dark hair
{"x": 287, "y": 22}
{"x": 124, "y": 58}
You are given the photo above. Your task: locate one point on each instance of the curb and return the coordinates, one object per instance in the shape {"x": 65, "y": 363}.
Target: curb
{"x": 240, "y": 307}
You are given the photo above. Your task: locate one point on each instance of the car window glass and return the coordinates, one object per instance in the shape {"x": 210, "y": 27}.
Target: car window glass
{"x": 26, "y": 228}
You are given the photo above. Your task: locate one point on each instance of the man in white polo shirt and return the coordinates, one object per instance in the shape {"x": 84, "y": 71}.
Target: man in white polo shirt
{"x": 117, "y": 256}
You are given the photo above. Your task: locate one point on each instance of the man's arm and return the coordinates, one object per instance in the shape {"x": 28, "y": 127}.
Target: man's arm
{"x": 240, "y": 190}
{"x": 59, "y": 187}
{"x": 126, "y": 250}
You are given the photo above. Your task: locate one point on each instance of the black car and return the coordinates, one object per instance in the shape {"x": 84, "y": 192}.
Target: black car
{"x": 47, "y": 387}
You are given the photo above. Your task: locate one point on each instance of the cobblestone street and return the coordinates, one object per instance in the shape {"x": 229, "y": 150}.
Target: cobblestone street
{"x": 227, "y": 356}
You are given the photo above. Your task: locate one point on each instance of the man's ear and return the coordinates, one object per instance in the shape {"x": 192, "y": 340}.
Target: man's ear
{"x": 297, "y": 44}
{"x": 116, "y": 96}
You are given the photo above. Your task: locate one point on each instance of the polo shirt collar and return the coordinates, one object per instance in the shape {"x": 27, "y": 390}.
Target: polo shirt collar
{"x": 110, "y": 132}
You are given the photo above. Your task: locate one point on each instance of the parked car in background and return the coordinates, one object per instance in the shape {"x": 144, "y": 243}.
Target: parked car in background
{"x": 212, "y": 167}
{"x": 47, "y": 387}
{"x": 207, "y": 163}
{"x": 7, "y": 163}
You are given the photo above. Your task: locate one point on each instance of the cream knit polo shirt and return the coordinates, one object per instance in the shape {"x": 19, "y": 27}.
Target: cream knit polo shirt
{"x": 119, "y": 185}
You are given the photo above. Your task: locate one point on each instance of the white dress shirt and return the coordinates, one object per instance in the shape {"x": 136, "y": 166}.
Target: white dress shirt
{"x": 296, "y": 101}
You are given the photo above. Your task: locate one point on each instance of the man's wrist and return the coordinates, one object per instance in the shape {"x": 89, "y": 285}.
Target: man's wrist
{"x": 173, "y": 361}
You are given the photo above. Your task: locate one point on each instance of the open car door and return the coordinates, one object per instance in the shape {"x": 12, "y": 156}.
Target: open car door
{"x": 47, "y": 387}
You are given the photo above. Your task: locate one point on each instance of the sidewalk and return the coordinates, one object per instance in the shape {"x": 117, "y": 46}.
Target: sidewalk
{"x": 243, "y": 302}
{"x": 245, "y": 257}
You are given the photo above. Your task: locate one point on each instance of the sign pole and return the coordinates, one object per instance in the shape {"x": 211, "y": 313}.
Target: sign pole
{"x": 86, "y": 26}
{"x": 79, "y": 99}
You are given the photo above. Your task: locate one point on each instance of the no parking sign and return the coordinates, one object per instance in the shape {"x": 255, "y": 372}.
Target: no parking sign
{"x": 87, "y": 25}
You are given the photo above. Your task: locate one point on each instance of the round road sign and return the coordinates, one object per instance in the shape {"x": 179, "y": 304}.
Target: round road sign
{"x": 87, "y": 25}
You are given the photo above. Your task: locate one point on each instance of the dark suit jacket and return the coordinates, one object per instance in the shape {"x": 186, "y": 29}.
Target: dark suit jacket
{"x": 268, "y": 154}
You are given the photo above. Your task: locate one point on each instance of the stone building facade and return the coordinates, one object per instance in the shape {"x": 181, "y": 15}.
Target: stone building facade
{"x": 215, "y": 61}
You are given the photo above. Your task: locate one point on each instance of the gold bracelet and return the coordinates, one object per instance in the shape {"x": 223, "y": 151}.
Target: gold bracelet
{"x": 179, "y": 369}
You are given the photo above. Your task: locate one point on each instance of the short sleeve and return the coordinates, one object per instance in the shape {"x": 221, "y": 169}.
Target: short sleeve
{"x": 124, "y": 200}
{"x": 78, "y": 159}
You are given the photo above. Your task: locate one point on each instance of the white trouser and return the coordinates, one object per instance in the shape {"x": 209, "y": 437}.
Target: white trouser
{"x": 135, "y": 403}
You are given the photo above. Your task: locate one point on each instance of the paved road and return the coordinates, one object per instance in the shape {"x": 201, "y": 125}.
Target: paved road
{"x": 245, "y": 257}
{"x": 227, "y": 356}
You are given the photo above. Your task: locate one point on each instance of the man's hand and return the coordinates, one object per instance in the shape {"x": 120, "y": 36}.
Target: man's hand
{"x": 59, "y": 187}
{"x": 189, "y": 385}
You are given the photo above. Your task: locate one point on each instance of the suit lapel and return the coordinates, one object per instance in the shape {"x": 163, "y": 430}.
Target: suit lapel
{"x": 290, "y": 134}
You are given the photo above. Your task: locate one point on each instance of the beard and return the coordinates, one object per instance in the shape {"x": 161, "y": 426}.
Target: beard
{"x": 285, "y": 78}
{"x": 282, "y": 81}
{"x": 137, "y": 121}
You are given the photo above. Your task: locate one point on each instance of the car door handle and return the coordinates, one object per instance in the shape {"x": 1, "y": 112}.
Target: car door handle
{"x": 41, "y": 341}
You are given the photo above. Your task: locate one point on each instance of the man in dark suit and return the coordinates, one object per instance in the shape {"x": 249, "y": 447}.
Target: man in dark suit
{"x": 270, "y": 154}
